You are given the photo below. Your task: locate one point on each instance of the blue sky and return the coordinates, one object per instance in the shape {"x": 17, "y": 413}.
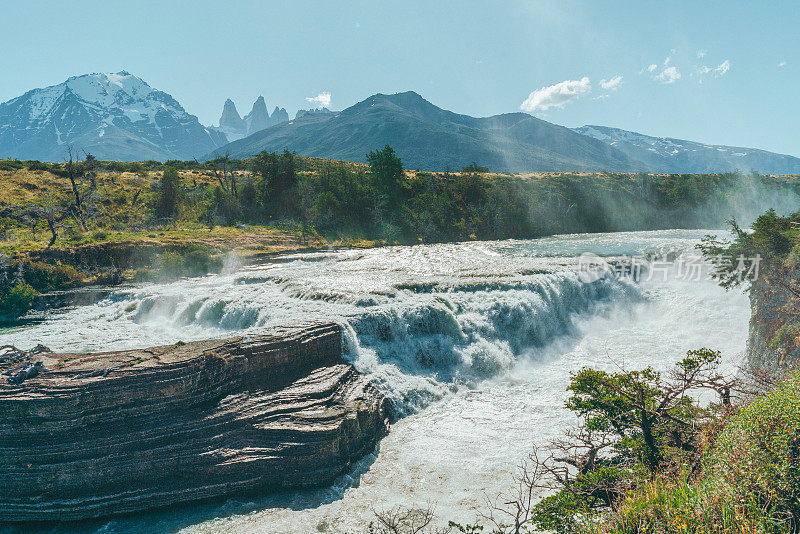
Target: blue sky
{"x": 725, "y": 72}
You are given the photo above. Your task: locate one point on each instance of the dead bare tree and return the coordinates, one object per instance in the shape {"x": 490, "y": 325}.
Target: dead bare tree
{"x": 222, "y": 168}
{"x": 54, "y": 213}
{"x": 399, "y": 520}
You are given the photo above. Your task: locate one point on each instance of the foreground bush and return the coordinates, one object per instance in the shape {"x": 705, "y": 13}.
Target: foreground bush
{"x": 750, "y": 481}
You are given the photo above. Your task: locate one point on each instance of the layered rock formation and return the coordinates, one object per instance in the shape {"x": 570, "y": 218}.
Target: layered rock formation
{"x": 109, "y": 433}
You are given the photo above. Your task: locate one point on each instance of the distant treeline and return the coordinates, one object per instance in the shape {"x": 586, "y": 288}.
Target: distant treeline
{"x": 381, "y": 201}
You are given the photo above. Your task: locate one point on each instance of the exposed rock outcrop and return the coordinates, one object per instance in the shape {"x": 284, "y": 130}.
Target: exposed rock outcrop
{"x": 258, "y": 118}
{"x": 301, "y": 112}
{"x": 278, "y": 116}
{"x": 109, "y": 433}
{"x": 230, "y": 122}
{"x": 774, "y": 333}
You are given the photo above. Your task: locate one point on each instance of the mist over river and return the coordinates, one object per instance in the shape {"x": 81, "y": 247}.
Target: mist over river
{"x": 472, "y": 342}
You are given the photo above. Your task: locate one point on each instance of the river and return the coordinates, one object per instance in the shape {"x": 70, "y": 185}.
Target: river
{"x": 473, "y": 343}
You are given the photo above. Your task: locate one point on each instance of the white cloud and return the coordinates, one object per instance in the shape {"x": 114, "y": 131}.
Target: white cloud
{"x": 611, "y": 84}
{"x": 702, "y": 53}
{"x": 781, "y": 64}
{"x": 719, "y": 70}
{"x": 322, "y": 100}
{"x": 668, "y": 75}
{"x": 556, "y": 95}
{"x": 652, "y": 67}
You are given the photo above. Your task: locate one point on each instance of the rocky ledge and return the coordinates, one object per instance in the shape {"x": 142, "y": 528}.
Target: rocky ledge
{"x": 116, "y": 432}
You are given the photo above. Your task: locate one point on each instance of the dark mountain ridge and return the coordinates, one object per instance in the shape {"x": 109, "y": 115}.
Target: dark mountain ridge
{"x": 431, "y": 138}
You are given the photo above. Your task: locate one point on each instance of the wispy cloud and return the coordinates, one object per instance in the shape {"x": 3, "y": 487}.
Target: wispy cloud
{"x": 652, "y": 67}
{"x": 668, "y": 75}
{"x": 556, "y": 95}
{"x": 781, "y": 64}
{"x": 322, "y": 100}
{"x": 719, "y": 70}
{"x": 612, "y": 83}
{"x": 702, "y": 53}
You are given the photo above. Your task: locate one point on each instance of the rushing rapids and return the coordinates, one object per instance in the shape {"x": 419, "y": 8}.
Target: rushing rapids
{"x": 473, "y": 343}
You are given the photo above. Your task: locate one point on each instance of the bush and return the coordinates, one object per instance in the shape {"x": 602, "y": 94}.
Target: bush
{"x": 45, "y": 277}
{"x": 200, "y": 262}
{"x": 750, "y": 480}
{"x": 171, "y": 265}
{"x": 16, "y": 299}
{"x": 193, "y": 263}
{"x": 756, "y": 461}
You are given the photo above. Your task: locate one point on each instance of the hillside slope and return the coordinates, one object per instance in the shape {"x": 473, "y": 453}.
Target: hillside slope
{"x": 664, "y": 154}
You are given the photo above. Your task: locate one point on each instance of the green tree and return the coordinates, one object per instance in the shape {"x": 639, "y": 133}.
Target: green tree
{"x": 168, "y": 194}
{"x": 277, "y": 186}
{"x": 387, "y": 172}
{"x": 474, "y": 168}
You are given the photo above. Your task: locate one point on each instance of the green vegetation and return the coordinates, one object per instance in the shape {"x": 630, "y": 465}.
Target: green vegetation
{"x": 87, "y": 214}
{"x": 168, "y": 194}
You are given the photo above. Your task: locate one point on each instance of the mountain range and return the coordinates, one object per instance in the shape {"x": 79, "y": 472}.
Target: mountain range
{"x": 120, "y": 117}
{"x": 667, "y": 155}
{"x": 113, "y": 116}
{"x": 428, "y": 137}
{"x": 235, "y": 127}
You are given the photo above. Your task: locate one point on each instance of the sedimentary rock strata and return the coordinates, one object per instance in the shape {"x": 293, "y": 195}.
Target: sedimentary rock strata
{"x": 109, "y": 433}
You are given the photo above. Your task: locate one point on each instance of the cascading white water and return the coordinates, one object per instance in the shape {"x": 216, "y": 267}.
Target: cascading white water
{"x": 473, "y": 343}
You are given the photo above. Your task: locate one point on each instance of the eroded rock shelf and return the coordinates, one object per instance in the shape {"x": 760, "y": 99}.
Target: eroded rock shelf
{"x": 116, "y": 432}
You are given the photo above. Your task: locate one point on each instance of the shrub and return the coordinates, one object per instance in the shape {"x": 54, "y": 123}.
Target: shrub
{"x": 200, "y": 262}
{"x": 45, "y": 277}
{"x": 750, "y": 479}
{"x": 16, "y": 299}
{"x": 193, "y": 263}
{"x": 171, "y": 265}
{"x": 756, "y": 461}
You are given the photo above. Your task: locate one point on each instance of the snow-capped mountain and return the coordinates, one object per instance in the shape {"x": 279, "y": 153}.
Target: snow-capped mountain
{"x": 664, "y": 154}
{"x": 113, "y": 116}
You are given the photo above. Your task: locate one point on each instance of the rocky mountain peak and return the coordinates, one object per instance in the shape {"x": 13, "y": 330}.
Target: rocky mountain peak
{"x": 258, "y": 118}
{"x": 279, "y": 115}
{"x": 230, "y": 117}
